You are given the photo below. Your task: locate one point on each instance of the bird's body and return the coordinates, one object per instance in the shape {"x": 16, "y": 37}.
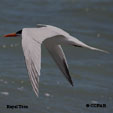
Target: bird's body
{"x": 52, "y": 37}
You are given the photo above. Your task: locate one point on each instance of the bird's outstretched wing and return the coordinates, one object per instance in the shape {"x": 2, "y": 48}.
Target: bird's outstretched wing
{"x": 32, "y": 53}
{"x": 32, "y": 39}
{"x": 59, "y": 57}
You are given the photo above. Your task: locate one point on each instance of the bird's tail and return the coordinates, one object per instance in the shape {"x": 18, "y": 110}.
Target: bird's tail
{"x": 78, "y": 43}
{"x": 93, "y": 48}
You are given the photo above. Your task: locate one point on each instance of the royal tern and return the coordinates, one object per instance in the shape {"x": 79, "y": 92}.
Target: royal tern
{"x": 52, "y": 37}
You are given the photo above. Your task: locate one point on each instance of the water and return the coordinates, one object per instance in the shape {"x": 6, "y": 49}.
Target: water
{"x": 91, "y": 21}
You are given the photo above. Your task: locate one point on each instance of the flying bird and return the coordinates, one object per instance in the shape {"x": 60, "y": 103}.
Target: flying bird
{"x": 52, "y": 37}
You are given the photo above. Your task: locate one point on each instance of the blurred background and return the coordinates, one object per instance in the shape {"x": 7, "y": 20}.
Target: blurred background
{"x": 91, "y": 21}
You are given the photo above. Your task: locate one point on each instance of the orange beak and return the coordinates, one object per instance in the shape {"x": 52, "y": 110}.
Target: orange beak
{"x": 11, "y": 35}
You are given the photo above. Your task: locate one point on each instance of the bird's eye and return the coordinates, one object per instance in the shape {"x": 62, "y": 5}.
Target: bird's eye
{"x": 19, "y": 32}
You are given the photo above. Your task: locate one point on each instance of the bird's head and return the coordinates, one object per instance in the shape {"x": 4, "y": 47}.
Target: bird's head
{"x": 18, "y": 33}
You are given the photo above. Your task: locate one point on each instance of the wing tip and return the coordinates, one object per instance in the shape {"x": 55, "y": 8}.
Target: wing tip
{"x": 67, "y": 72}
{"x": 71, "y": 83}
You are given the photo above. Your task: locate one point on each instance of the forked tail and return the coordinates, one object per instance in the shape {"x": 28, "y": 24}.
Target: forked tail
{"x": 78, "y": 43}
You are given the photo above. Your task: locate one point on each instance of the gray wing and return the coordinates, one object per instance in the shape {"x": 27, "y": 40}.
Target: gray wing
{"x": 60, "y": 59}
{"x": 32, "y": 53}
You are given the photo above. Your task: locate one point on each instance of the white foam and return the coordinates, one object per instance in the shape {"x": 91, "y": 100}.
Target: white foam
{"x": 4, "y": 46}
{"x": 47, "y": 94}
{"x": 5, "y": 93}
{"x": 94, "y": 101}
{"x": 5, "y": 82}
{"x": 20, "y": 88}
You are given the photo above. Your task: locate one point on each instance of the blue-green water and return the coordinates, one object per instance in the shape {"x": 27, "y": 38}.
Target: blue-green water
{"x": 91, "y": 21}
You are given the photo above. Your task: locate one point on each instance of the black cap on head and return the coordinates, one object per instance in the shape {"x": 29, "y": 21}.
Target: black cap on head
{"x": 19, "y": 32}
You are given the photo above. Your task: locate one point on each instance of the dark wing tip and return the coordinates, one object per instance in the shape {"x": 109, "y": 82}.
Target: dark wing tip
{"x": 72, "y": 84}
{"x": 70, "y": 80}
{"x": 68, "y": 74}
